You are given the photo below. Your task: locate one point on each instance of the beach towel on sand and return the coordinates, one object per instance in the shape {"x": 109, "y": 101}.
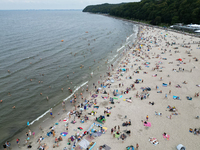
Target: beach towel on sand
{"x": 80, "y": 128}
{"x": 164, "y": 84}
{"x": 63, "y": 133}
{"x": 94, "y": 95}
{"x": 176, "y": 97}
{"x": 166, "y": 136}
{"x": 148, "y": 124}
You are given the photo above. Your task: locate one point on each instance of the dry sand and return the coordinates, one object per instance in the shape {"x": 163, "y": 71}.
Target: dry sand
{"x": 177, "y": 127}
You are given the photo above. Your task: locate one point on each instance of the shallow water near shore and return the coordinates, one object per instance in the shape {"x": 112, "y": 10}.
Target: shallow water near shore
{"x": 38, "y": 62}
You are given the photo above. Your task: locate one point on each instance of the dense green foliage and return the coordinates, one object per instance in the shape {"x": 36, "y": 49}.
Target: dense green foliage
{"x": 155, "y": 11}
{"x": 103, "y": 8}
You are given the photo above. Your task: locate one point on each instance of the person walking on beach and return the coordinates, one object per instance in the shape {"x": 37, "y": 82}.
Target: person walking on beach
{"x": 53, "y": 132}
{"x": 67, "y": 128}
{"x": 90, "y": 134}
{"x": 115, "y": 129}
{"x": 56, "y": 141}
{"x": 63, "y": 106}
{"x": 137, "y": 146}
{"x": 118, "y": 128}
{"x": 18, "y": 141}
{"x": 29, "y": 133}
{"x": 33, "y": 134}
{"x": 147, "y": 117}
{"x": 51, "y": 114}
{"x": 112, "y": 131}
{"x": 123, "y": 137}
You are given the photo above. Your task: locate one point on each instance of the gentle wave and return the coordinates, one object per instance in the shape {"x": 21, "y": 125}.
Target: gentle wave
{"x": 63, "y": 100}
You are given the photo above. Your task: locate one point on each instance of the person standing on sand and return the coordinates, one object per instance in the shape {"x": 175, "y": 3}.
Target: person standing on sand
{"x": 29, "y": 132}
{"x": 4, "y": 146}
{"x": 33, "y": 134}
{"x": 115, "y": 129}
{"x": 112, "y": 131}
{"x": 137, "y": 146}
{"x": 123, "y": 137}
{"x": 147, "y": 117}
{"x": 63, "y": 106}
{"x": 18, "y": 141}
{"x": 51, "y": 114}
{"x": 118, "y": 128}
{"x": 53, "y": 132}
{"x": 90, "y": 134}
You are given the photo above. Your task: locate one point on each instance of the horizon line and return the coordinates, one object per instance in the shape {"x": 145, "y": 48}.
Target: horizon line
{"x": 38, "y": 9}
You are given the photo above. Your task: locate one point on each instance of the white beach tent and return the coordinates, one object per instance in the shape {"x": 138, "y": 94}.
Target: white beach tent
{"x": 197, "y": 31}
{"x": 180, "y": 147}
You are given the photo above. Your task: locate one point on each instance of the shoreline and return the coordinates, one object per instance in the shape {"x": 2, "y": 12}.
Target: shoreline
{"x": 142, "y": 107}
{"x": 153, "y": 26}
{"x": 44, "y": 120}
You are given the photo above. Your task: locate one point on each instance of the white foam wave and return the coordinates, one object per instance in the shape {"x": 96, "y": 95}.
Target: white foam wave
{"x": 40, "y": 117}
{"x": 120, "y": 48}
{"x": 63, "y": 100}
{"x": 75, "y": 90}
{"x": 129, "y": 37}
{"x": 112, "y": 58}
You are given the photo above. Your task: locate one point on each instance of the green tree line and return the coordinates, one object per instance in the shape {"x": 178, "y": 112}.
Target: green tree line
{"x": 154, "y": 11}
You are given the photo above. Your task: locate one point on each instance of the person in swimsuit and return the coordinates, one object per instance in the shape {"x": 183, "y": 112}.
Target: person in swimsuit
{"x": 4, "y": 146}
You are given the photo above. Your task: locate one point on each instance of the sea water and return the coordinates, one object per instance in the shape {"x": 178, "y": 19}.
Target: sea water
{"x": 35, "y": 60}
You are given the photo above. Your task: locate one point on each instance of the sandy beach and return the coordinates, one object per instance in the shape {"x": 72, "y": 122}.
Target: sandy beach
{"x": 154, "y": 79}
